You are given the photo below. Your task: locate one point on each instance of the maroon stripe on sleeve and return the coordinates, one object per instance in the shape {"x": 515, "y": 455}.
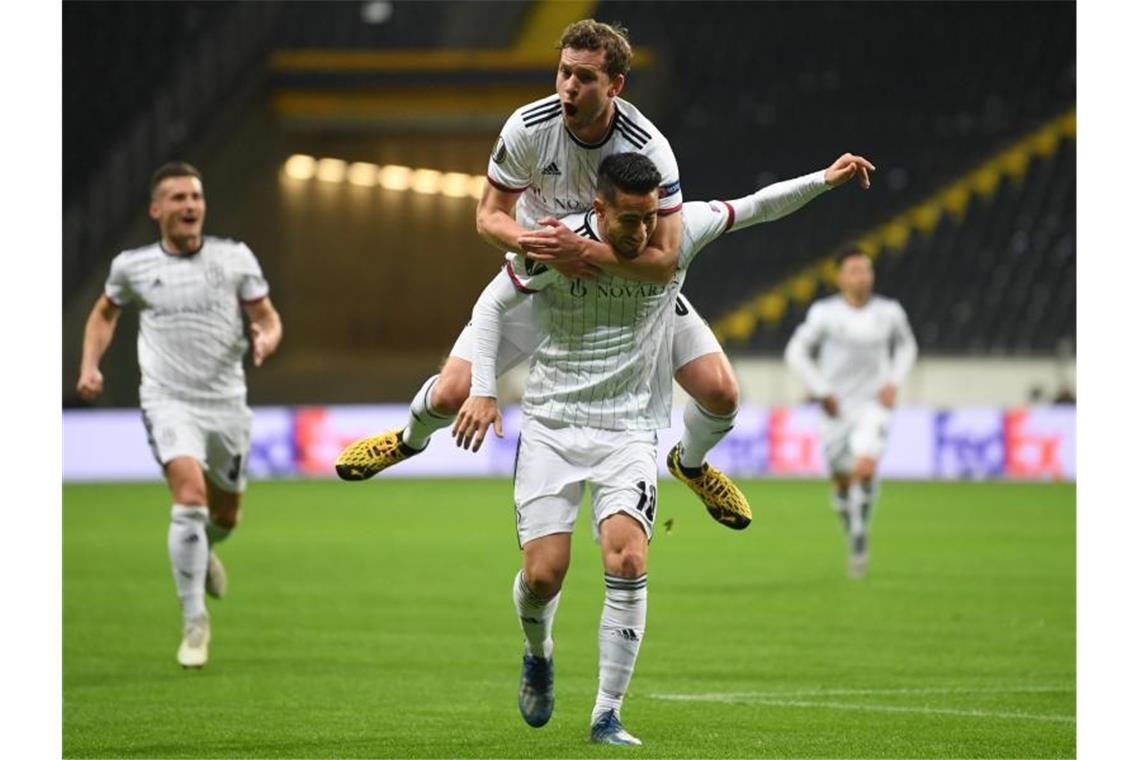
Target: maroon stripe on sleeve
{"x": 668, "y": 211}
{"x": 731, "y": 216}
{"x": 252, "y": 301}
{"x": 505, "y": 188}
{"x": 514, "y": 278}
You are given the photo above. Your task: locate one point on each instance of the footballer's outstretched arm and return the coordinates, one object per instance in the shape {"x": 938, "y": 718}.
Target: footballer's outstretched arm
{"x": 777, "y": 200}
{"x": 97, "y": 335}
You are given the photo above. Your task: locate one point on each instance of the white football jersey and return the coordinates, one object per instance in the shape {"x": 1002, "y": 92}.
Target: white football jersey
{"x": 600, "y": 360}
{"x": 557, "y": 174}
{"x": 191, "y": 339}
{"x": 855, "y": 348}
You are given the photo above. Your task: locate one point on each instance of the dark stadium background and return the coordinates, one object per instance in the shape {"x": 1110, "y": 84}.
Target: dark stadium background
{"x": 966, "y": 109}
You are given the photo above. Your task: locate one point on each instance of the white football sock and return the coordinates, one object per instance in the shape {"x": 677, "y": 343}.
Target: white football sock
{"x": 536, "y": 616}
{"x": 703, "y": 430}
{"x": 422, "y": 419}
{"x": 189, "y": 554}
{"x": 619, "y": 639}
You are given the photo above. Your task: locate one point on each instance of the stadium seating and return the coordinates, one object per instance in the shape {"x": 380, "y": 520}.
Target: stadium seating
{"x": 740, "y": 116}
{"x": 814, "y": 80}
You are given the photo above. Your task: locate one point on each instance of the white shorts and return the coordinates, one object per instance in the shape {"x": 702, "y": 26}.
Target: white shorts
{"x": 216, "y": 436}
{"x": 692, "y": 336}
{"x": 519, "y": 338}
{"x": 555, "y": 463}
{"x": 860, "y": 432}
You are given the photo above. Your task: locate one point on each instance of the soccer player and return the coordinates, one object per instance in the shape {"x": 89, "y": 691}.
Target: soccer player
{"x": 190, "y": 291}
{"x": 595, "y": 396}
{"x": 866, "y": 348}
{"x": 544, "y": 166}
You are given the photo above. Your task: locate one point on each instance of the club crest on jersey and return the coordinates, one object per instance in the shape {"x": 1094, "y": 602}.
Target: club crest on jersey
{"x": 578, "y": 289}
{"x": 214, "y": 275}
{"x": 499, "y": 154}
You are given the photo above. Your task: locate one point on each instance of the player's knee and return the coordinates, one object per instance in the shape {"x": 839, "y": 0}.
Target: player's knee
{"x": 626, "y": 561}
{"x": 189, "y": 494}
{"x": 544, "y": 580}
{"x": 450, "y": 391}
{"x": 864, "y": 469}
{"x": 722, "y": 395}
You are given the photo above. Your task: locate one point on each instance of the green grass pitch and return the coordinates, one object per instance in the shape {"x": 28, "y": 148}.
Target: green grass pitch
{"x": 374, "y": 620}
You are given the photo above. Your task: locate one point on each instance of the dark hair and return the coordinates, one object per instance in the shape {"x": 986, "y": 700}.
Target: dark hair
{"x": 628, "y": 172}
{"x": 848, "y": 251}
{"x": 172, "y": 169}
{"x": 589, "y": 34}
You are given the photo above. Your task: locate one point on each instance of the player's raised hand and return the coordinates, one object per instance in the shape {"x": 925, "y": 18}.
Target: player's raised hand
{"x": 90, "y": 385}
{"x": 477, "y": 414}
{"x": 846, "y": 167}
{"x": 553, "y": 242}
{"x": 830, "y": 406}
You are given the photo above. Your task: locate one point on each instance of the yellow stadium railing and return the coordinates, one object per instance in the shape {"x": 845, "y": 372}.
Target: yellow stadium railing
{"x": 769, "y": 306}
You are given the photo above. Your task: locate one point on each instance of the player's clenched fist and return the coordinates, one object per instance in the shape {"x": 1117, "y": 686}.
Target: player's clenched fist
{"x": 90, "y": 384}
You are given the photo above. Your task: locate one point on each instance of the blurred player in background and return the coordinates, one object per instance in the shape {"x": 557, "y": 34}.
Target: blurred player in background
{"x": 190, "y": 291}
{"x": 544, "y": 166}
{"x": 865, "y": 350}
{"x": 595, "y": 395}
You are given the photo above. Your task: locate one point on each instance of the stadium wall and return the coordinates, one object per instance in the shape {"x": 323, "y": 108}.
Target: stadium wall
{"x": 948, "y": 443}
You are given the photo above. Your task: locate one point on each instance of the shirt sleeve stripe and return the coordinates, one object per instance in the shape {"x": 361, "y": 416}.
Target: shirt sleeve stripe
{"x": 668, "y": 211}
{"x": 514, "y": 278}
{"x": 506, "y": 188}
{"x": 252, "y": 301}
{"x": 731, "y": 216}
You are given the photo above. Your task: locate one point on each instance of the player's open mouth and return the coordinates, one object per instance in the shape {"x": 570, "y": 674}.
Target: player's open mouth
{"x": 570, "y": 109}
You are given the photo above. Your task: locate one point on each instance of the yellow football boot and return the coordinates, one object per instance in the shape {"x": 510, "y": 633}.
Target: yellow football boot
{"x": 723, "y": 500}
{"x": 362, "y": 459}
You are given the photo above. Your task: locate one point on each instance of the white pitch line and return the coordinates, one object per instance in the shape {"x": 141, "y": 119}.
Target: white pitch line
{"x": 743, "y": 699}
{"x": 727, "y": 695}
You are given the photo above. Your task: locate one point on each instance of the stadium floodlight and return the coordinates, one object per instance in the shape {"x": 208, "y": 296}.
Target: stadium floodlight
{"x": 393, "y": 177}
{"x": 331, "y": 170}
{"x": 455, "y": 184}
{"x": 475, "y": 187}
{"x": 300, "y": 166}
{"x": 426, "y": 181}
{"x": 363, "y": 174}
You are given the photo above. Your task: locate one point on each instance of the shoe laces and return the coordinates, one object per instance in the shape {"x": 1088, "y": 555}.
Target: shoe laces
{"x": 538, "y": 672}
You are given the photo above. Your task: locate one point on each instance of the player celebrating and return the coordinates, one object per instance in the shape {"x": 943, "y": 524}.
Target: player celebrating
{"x": 856, "y": 380}
{"x": 190, "y": 291}
{"x": 543, "y": 166}
{"x": 595, "y": 395}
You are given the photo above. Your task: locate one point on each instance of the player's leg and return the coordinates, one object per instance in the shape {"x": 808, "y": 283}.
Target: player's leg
{"x": 536, "y": 591}
{"x": 178, "y": 444}
{"x": 624, "y": 488}
{"x": 548, "y": 490}
{"x": 438, "y": 400}
{"x": 867, "y": 442}
{"x": 703, "y": 371}
{"x": 227, "y": 457}
{"x": 189, "y": 551}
